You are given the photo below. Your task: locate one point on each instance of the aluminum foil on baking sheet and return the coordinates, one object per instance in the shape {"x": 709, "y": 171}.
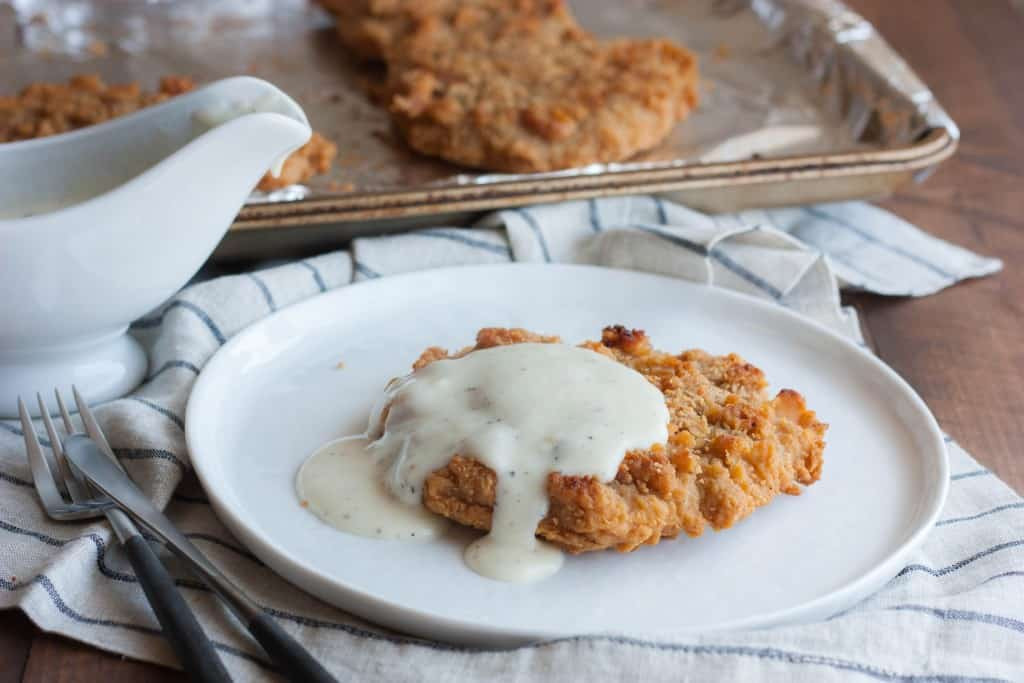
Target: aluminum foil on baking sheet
{"x": 779, "y": 77}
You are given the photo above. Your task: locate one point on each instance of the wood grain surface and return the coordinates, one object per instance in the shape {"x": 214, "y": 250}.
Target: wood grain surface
{"x": 962, "y": 349}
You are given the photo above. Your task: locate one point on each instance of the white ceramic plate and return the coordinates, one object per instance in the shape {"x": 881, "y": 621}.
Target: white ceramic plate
{"x": 274, "y": 393}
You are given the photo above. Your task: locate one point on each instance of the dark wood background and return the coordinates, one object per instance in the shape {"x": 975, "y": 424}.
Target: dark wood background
{"x": 962, "y": 349}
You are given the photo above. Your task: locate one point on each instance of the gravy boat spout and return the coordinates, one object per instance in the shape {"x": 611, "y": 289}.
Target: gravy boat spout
{"x": 101, "y": 225}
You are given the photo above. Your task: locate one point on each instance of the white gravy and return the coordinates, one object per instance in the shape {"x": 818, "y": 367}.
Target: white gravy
{"x": 523, "y": 410}
{"x": 224, "y": 111}
{"x": 344, "y": 486}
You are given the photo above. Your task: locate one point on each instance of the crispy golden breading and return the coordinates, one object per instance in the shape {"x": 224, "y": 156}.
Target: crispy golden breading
{"x": 313, "y": 158}
{"x": 381, "y": 29}
{"x": 370, "y": 28}
{"x": 517, "y": 85}
{"x": 43, "y": 109}
{"x": 731, "y": 449}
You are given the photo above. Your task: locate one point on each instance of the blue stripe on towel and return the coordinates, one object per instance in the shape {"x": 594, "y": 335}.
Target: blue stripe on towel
{"x": 466, "y": 240}
{"x": 595, "y": 216}
{"x": 659, "y": 206}
{"x": 160, "y": 409}
{"x": 1001, "y": 575}
{"x": 67, "y": 611}
{"x": 746, "y": 275}
{"x": 718, "y": 256}
{"x": 175, "y": 364}
{"x": 102, "y": 548}
{"x": 97, "y": 541}
{"x": 12, "y": 479}
{"x": 955, "y": 520}
{"x": 695, "y": 247}
{"x": 156, "y": 321}
{"x": 868, "y": 237}
{"x": 531, "y": 221}
{"x": 64, "y": 609}
{"x": 12, "y": 429}
{"x": 963, "y": 615}
{"x": 321, "y": 285}
{"x": 17, "y": 431}
{"x": 968, "y": 475}
{"x": 41, "y": 537}
{"x": 149, "y": 454}
{"x": 956, "y": 566}
{"x": 262, "y": 286}
{"x": 364, "y": 269}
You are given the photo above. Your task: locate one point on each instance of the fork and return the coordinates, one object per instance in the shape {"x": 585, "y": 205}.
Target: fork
{"x": 94, "y": 463}
{"x": 194, "y": 650}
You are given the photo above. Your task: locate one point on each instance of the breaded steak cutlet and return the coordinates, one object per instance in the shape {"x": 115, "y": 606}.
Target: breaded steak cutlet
{"x": 731, "y": 449}
{"x": 517, "y": 85}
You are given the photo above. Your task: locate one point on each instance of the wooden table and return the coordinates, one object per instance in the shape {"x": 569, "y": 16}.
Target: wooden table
{"x": 962, "y": 349}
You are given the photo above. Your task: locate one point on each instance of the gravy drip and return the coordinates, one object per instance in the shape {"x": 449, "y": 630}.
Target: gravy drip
{"x": 524, "y": 411}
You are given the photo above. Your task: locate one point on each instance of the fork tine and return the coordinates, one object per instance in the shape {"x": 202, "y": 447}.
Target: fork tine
{"x": 46, "y": 487}
{"x": 92, "y": 427}
{"x": 71, "y": 480}
{"x": 51, "y": 432}
{"x": 55, "y": 462}
{"x": 64, "y": 415}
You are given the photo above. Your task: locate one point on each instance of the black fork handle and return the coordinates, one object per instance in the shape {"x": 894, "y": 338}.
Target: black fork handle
{"x": 293, "y": 661}
{"x": 194, "y": 650}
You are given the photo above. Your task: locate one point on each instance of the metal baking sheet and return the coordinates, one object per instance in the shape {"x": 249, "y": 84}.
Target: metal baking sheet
{"x": 803, "y": 80}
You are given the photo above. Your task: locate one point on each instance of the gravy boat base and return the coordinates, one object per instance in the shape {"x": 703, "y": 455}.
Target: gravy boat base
{"x": 102, "y": 369}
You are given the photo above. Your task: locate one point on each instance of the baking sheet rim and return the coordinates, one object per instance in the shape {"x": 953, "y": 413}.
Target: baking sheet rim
{"x": 933, "y": 148}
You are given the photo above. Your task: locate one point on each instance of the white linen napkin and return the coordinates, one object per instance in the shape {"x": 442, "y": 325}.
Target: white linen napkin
{"x": 953, "y": 614}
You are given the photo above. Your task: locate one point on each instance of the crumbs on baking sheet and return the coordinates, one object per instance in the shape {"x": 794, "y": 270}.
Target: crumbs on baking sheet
{"x": 304, "y": 503}
{"x": 340, "y": 365}
{"x": 335, "y": 186}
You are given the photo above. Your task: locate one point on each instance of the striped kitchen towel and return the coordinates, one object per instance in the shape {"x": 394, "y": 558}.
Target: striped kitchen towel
{"x": 953, "y": 614}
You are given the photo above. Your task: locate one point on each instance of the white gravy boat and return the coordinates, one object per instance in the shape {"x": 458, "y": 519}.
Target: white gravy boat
{"x": 101, "y": 225}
